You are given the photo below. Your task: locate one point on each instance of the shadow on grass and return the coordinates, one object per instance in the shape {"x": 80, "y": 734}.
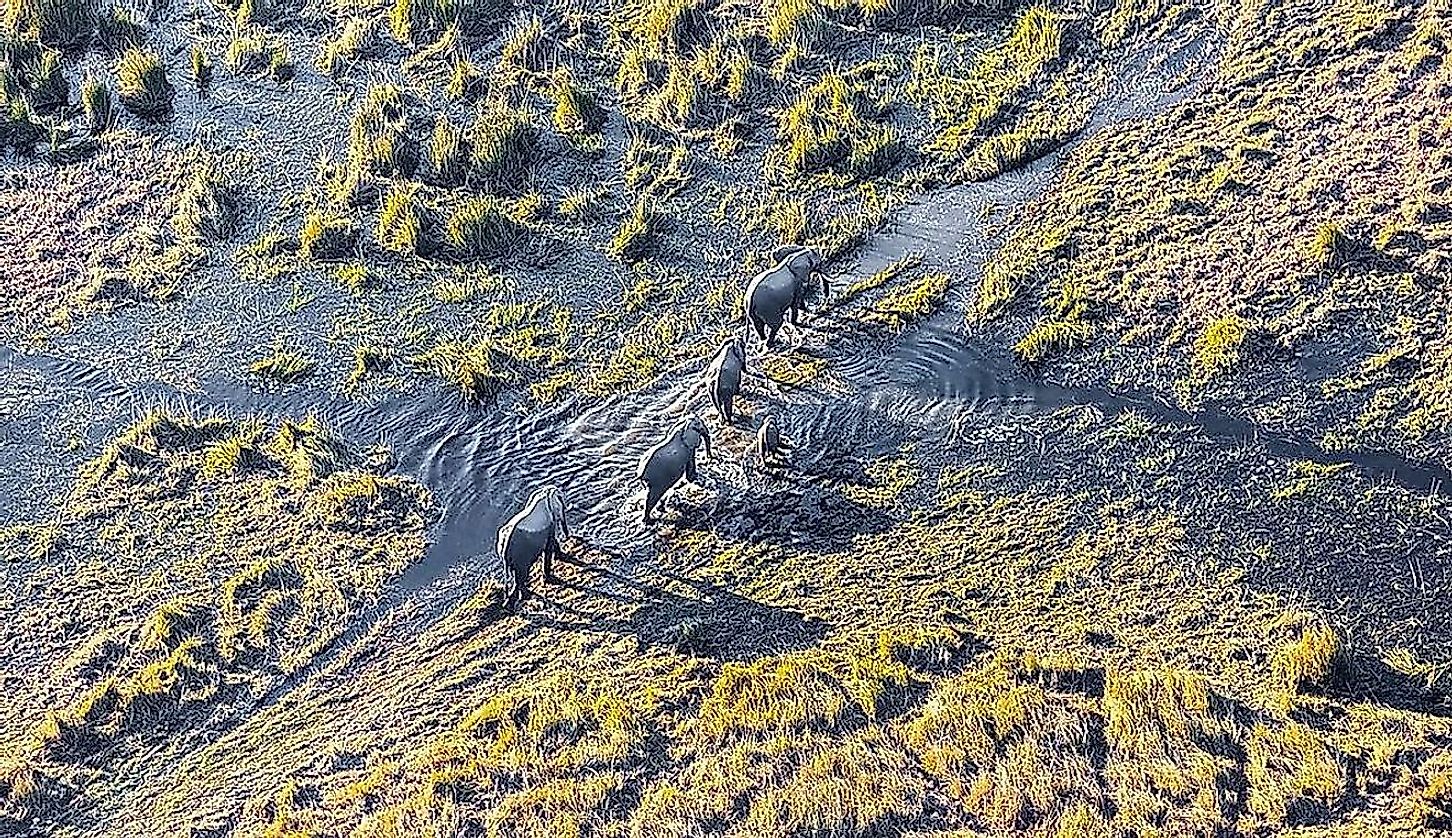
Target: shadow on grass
{"x": 675, "y": 612}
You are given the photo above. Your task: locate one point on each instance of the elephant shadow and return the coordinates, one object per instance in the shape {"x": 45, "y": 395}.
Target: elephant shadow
{"x": 796, "y": 510}
{"x": 685, "y": 615}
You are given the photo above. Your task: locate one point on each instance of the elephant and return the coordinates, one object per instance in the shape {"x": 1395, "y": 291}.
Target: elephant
{"x": 664, "y": 465}
{"x": 534, "y": 531}
{"x": 769, "y": 441}
{"x": 783, "y": 288}
{"x": 726, "y": 370}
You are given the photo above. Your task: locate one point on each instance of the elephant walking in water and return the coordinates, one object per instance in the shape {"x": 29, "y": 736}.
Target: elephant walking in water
{"x": 773, "y": 293}
{"x": 663, "y": 466}
{"x": 769, "y": 441}
{"x": 725, "y": 373}
{"x": 534, "y": 531}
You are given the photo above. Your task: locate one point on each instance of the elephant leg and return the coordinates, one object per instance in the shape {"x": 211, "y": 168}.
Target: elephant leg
{"x": 519, "y": 586}
{"x": 759, "y": 325}
{"x": 652, "y": 497}
{"x": 771, "y": 335}
{"x": 552, "y": 549}
{"x": 691, "y": 469}
{"x": 795, "y": 313}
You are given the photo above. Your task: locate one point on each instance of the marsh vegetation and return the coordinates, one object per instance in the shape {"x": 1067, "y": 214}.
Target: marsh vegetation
{"x": 300, "y": 301}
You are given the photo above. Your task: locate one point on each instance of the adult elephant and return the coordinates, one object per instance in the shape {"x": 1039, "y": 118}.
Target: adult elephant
{"x": 776, "y": 291}
{"x": 664, "y": 465}
{"x": 534, "y": 531}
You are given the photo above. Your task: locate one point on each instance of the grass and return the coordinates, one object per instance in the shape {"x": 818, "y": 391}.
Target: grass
{"x": 908, "y": 305}
{"x": 576, "y": 110}
{"x": 359, "y": 38}
{"x": 835, "y": 127}
{"x": 208, "y": 208}
{"x": 448, "y": 153}
{"x": 883, "y": 276}
{"x": 283, "y": 366}
{"x": 638, "y": 234}
{"x": 379, "y": 140}
{"x": 518, "y": 344}
{"x": 60, "y": 24}
{"x": 481, "y": 227}
{"x": 418, "y": 22}
{"x": 1307, "y": 659}
{"x": 201, "y": 68}
{"x": 1051, "y": 337}
{"x": 327, "y": 235}
{"x": 582, "y": 203}
{"x": 142, "y": 85}
{"x": 255, "y": 51}
{"x": 402, "y": 223}
{"x": 467, "y": 285}
{"x": 98, "y": 106}
{"x": 502, "y": 144}
{"x": 1117, "y": 662}
{"x": 975, "y": 109}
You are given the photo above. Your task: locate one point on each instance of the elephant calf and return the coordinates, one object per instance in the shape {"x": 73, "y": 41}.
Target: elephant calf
{"x": 769, "y": 441}
{"x": 726, "y": 370}
{"x": 534, "y": 531}
{"x": 663, "y": 466}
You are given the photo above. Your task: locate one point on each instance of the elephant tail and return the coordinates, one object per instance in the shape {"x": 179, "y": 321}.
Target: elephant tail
{"x": 501, "y": 541}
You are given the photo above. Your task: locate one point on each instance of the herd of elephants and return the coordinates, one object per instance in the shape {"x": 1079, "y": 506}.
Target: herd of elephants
{"x": 771, "y": 296}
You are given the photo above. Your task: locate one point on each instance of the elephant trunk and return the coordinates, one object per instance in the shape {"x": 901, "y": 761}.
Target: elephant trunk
{"x": 826, "y": 288}
{"x": 706, "y": 438}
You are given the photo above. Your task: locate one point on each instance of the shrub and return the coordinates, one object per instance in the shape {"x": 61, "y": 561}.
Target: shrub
{"x": 481, "y": 227}
{"x": 1218, "y": 348}
{"x": 327, "y": 236}
{"x": 96, "y": 101}
{"x": 142, "y": 84}
{"x": 379, "y": 140}
{"x": 637, "y": 235}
